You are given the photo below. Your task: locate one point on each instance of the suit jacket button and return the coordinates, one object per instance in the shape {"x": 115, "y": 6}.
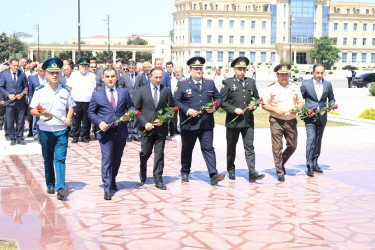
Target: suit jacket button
{"x": 244, "y": 102}
{"x": 200, "y": 101}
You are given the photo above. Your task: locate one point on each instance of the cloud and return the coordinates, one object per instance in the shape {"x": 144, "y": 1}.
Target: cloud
{"x": 28, "y": 15}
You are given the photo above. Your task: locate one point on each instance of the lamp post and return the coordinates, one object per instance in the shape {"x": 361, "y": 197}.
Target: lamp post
{"x": 106, "y": 19}
{"x": 79, "y": 29}
{"x": 36, "y": 27}
{"x": 291, "y": 18}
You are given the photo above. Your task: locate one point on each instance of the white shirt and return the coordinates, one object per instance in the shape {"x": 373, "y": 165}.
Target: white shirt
{"x": 174, "y": 82}
{"x": 14, "y": 74}
{"x": 56, "y": 102}
{"x": 42, "y": 80}
{"x": 81, "y": 86}
{"x": 318, "y": 86}
{"x": 108, "y": 93}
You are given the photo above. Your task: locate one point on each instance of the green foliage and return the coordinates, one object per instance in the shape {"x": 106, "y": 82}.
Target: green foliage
{"x": 368, "y": 114}
{"x": 101, "y": 56}
{"x": 259, "y": 63}
{"x": 372, "y": 89}
{"x": 324, "y": 51}
{"x": 282, "y": 60}
{"x": 330, "y": 73}
{"x": 64, "y": 55}
{"x": 266, "y": 63}
{"x": 251, "y": 63}
{"x": 137, "y": 41}
{"x": 296, "y": 71}
{"x": 11, "y": 47}
{"x": 83, "y": 54}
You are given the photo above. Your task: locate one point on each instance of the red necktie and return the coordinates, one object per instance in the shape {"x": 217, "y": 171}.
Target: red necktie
{"x": 113, "y": 102}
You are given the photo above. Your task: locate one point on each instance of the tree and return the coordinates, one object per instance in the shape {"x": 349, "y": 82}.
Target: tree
{"x": 137, "y": 41}
{"x": 140, "y": 56}
{"x": 324, "y": 52}
{"x": 11, "y": 47}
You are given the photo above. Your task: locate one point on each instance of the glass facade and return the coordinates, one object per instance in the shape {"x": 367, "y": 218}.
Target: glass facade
{"x": 195, "y": 30}
{"x": 344, "y": 57}
{"x": 303, "y": 25}
{"x": 273, "y": 23}
{"x": 209, "y": 56}
{"x": 325, "y": 20}
{"x": 220, "y": 56}
{"x": 252, "y": 56}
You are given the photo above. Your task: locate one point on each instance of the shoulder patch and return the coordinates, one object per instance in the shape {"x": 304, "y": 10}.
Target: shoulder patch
{"x": 66, "y": 87}
{"x": 39, "y": 87}
{"x": 271, "y": 84}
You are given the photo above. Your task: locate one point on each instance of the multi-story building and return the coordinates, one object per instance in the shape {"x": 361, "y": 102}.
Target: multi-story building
{"x": 272, "y": 30}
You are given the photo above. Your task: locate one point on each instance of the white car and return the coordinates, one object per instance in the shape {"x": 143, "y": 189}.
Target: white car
{"x": 303, "y": 75}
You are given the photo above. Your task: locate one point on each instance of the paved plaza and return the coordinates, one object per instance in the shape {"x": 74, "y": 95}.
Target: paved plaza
{"x": 329, "y": 211}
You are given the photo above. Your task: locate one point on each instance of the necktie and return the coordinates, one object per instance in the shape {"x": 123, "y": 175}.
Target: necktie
{"x": 148, "y": 78}
{"x": 14, "y": 78}
{"x": 156, "y": 96}
{"x": 199, "y": 85}
{"x": 242, "y": 83}
{"x": 113, "y": 102}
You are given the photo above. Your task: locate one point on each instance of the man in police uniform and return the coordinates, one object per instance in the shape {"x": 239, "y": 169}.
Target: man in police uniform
{"x": 280, "y": 99}
{"x": 190, "y": 95}
{"x": 53, "y": 134}
{"x": 237, "y": 92}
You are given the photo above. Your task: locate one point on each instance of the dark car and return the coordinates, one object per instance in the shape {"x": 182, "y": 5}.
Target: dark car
{"x": 363, "y": 80}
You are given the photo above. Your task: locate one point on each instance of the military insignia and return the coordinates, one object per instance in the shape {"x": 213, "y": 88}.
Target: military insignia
{"x": 222, "y": 86}
{"x": 40, "y": 87}
{"x": 198, "y": 62}
{"x": 251, "y": 92}
{"x": 54, "y": 65}
{"x": 188, "y": 91}
{"x": 175, "y": 89}
{"x": 234, "y": 87}
{"x": 242, "y": 63}
{"x": 66, "y": 87}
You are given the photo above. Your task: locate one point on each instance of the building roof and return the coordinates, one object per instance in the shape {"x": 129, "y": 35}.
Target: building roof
{"x": 98, "y": 36}
{"x": 22, "y": 34}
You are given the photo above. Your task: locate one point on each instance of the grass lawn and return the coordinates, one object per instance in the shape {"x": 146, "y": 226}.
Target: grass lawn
{"x": 8, "y": 245}
{"x": 262, "y": 120}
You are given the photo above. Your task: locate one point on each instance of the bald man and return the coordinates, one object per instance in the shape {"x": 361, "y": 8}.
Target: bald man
{"x": 145, "y": 76}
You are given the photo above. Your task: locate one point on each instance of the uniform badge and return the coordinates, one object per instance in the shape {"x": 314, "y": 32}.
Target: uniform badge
{"x": 188, "y": 91}
{"x": 234, "y": 87}
{"x": 175, "y": 89}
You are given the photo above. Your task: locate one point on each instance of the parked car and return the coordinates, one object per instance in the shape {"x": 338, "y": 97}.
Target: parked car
{"x": 363, "y": 80}
{"x": 303, "y": 75}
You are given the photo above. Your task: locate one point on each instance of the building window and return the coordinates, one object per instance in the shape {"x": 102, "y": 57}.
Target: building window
{"x": 195, "y": 30}
{"x": 205, "y": 6}
{"x": 194, "y": 7}
{"x": 364, "y": 57}
{"x": 264, "y": 25}
{"x": 197, "y": 53}
{"x": 162, "y": 42}
{"x": 162, "y": 51}
{"x": 227, "y": 7}
{"x": 355, "y": 26}
{"x": 365, "y": 27}
{"x": 284, "y": 26}
{"x": 364, "y": 41}
{"x": 253, "y": 24}
{"x": 345, "y": 26}
{"x": 231, "y": 24}
{"x": 263, "y": 40}
{"x": 303, "y": 25}
{"x": 263, "y": 57}
{"x": 209, "y": 39}
{"x": 220, "y": 39}
{"x": 373, "y": 41}
{"x": 209, "y": 56}
{"x": 252, "y": 41}
{"x": 347, "y": 11}
{"x": 344, "y": 57}
{"x": 216, "y": 7}
{"x": 220, "y": 24}
{"x": 354, "y": 57}
{"x": 252, "y": 56}
{"x": 273, "y": 56}
{"x": 372, "y": 57}
{"x": 373, "y": 27}
{"x": 231, "y": 56}
{"x": 209, "y": 24}
{"x": 354, "y": 41}
{"x": 242, "y": 24}
{"x": 357, "y": 11}
{"x": 231, "y": 39}
{"x": 335, "y": 26}
{"x": 242, "y": 39}
{"x": 345, "y": 41}
{"x": 242, "y": 53}
{"x": 338, "y": 11}
{"x": 367, "y": 11}
{"x": 220, "y": 56}
{"x": 284, "y": 10}
{"x": 284, "y": 39}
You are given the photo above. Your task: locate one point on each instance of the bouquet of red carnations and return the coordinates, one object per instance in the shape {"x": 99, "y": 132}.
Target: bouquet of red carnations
{"x": 43, "y": 111}
{"x": 165, "y": 116}
{"x": 130, "y": 114}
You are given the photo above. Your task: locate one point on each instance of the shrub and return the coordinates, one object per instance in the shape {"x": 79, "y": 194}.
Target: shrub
{"x": 295, "y": 67}
{"x": 209, "y": 73}
{"x": 296, "y": 71}
{"x": 368, "y": 114}
{"x": 372, "y": 89}
{"x": 259, "y": 63}
{"x": 251, "y": 63}
{"x": 330, "y": 73}
{"x": 266, "y": 63}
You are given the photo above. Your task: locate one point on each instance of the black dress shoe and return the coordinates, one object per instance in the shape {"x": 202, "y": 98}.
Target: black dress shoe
{"x": 85, "y": 140}
{"x": 136, "y": 139}
{"x": 232, "y": 176}
{"x": 21, "y": 142}
{"x": 168, "y": 138}
{"x": 75, "y": 140}
{"x": 7, "y": 138}
{"x": 113, "y": 187}
{"x": 310, "y": 171}
{"x": 13, "y": 142}
{"x": 107, "y": 196}
{"x": 216, "y": 178}
{"x": 50, "y": 190}
{"x": 177, "y": 132}
{"x": 161, "y": 186}
{"x": 30, "y": 135}
{"x": 129, "y": 139}
{"x": 316, "y": 168}
{"x": 184, "y": 177}
{"x": 143, "y": 177}
{"x": 281, "y": 178}
{"x": 255, "y": 177}
{"x": 61, "y": 193}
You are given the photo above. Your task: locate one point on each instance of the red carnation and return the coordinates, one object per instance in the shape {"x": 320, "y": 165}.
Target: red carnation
{"x": 137, "y": 113}
{"x": 175, "y": 108}
{"x": 311, "y": 112}
{"x": 335, "y": 106}
{"x": 26, "y": 91}
{"x": 217, "y": 103}
{"x": 261, "y": 101}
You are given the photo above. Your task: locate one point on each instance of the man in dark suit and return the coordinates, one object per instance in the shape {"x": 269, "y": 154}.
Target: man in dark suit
{"x": 191, "y": 94}
{"x": 145, "y": 76}
{"x": 4, "y": 67}
{"x": 151, "y": 98}
{"x": 67, "y": 72}
{"x": 106, "y": 106}
{"x": 237, "y": 92}
{"x": 316, "y": 93}
{"x": 99, "y": 82}
{"x": 131, "y": 81}
{"x": 12, "y": 84}
{"x": 34, "y": 82}
{"x": 166, "y": 81}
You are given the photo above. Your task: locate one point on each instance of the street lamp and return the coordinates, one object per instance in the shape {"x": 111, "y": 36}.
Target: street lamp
{"x": 291, "y": 19}
{"x": 79, "y": 29}
{"x": 106, "y": 19}
{"x": 36, "y": 27}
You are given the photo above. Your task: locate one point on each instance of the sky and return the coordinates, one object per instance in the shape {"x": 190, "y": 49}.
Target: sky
{"x": 58, "y": 19}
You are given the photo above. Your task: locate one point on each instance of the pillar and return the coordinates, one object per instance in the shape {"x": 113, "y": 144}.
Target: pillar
{"x": 295, "y": 56}
{"x": 152, "y": 57}
{"x": 31, "y": 54}
{"x": 114, "y": 56}
{"x": 52, "y": 53}
{"x": 73, "y": 56}
{"x": 134, "y": 55}
{"x": 94, "y": 53}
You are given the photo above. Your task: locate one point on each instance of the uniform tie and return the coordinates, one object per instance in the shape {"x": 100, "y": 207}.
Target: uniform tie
{"x": 242, "y": 83}
{"x": 199, "y": 85}
{"x": 156, "y": 96}
{"x": 113, "y": 102}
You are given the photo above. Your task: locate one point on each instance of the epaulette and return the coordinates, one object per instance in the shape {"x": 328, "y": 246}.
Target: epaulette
{"x": 207, "y": 79}
{"x": 271, "y": 84}
{"x": 39, "y": 87}
{"x": 66, "y": 87}
{"x": 185, "y": 80}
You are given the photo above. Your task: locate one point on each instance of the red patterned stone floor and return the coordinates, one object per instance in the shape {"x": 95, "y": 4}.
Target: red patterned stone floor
{"x": 330, "y": 211}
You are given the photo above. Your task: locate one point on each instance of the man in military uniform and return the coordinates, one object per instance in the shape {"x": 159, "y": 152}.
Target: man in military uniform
{"x": 53, "y": 134}
{"x": 280, "y": 99}
{"x": 237, "y": 92}
{"x": 190, "y": 95}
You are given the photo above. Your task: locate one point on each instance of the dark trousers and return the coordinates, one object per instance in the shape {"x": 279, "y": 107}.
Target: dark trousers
{"x": 349, "y": 81}
{"x": 29, "y": 119}
{"x": 279, "y": 129}
{"x": 112, "y": 147}
{"x": 2, "y": 116}
{"x": 81, "y": 116}
{"x": 54, "y": 150}
{"x": 173, "y": 125}
{"x": 248, "y": 143}
{"x": 133, "y": 127}
{"x": 188, "y": 138}
{"x": 314, "y": 133}
{"x": 147, "y": 143}
{"x": 16, "y": 114}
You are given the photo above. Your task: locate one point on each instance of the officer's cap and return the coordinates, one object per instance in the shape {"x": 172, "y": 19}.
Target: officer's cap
{"x": 83, "y": 61}
{"x": 53, "y": 64}
{"x": 240, "y": 62}
{"x": 196, "y": 62}
{"x": 283, "y": 68}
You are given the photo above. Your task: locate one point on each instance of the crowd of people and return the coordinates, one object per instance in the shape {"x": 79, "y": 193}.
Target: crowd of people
{"x": 58, "y": 100}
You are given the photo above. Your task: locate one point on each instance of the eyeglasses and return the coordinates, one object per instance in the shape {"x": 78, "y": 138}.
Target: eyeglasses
{"x": 93, "y": 67}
